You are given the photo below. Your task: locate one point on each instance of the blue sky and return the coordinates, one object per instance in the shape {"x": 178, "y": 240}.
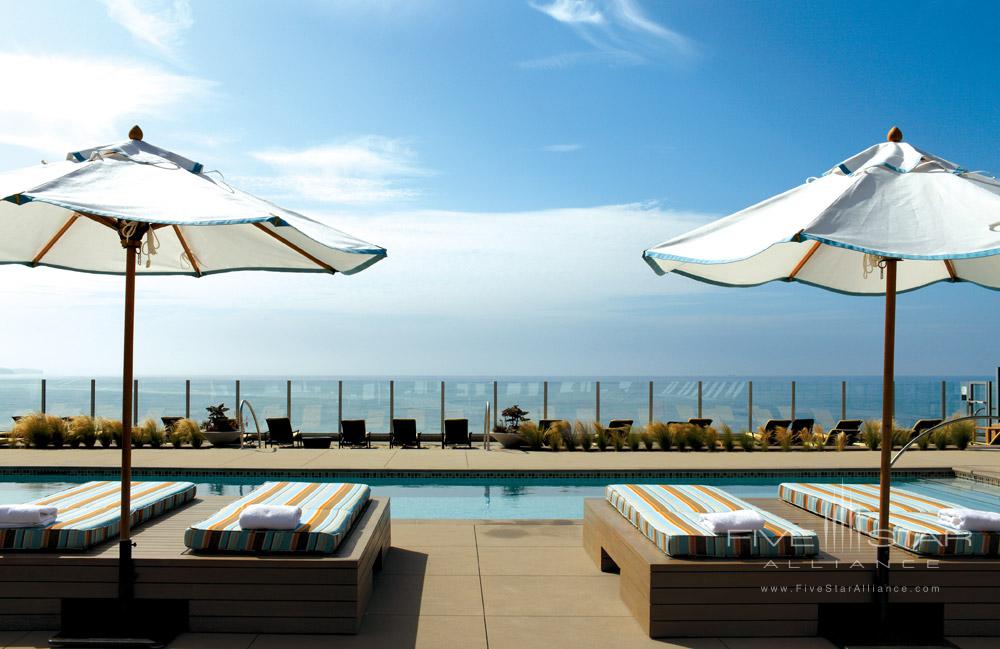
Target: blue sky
{"x": 515, "y": 158}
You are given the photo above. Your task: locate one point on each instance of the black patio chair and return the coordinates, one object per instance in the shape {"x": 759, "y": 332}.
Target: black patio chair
{"x": 456, "y": 433}
{"x": 702, "y": 422}
{"x": 772, "y": 425}
{"x": 923, "y": 424}
{"x": 353, "y": 434}
{"x": 798, "y": 425}
{"x": 168, "y": 423}
{"x": 403, "y": 433}
{"x": 280, "y": 433}
{"x": 850, "y": 427}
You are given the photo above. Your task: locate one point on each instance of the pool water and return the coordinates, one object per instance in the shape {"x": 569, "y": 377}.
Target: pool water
{"x": 547, "y": 498}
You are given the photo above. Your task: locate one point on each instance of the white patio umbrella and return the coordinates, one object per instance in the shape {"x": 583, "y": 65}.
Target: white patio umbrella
{"x": 891, "y": 218}
{"x": 135, "y": 209}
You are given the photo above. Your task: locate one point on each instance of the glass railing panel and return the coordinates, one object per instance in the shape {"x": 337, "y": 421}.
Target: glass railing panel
{"x": 467, "y": 399}
{"x": 419, "y": 399}
{"x": 724, "y": 401}
{"x": 528, "y": 394}
{"x": 314, "y": 405}
{"x": 625, "y": 399}
{"x": 368, "y": 400}
{"x": 19, "y": 395}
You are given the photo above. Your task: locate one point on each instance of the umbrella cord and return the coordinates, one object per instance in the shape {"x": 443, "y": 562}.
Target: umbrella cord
{"x": 149, "y": 248}
{"x": 870, "y": 262}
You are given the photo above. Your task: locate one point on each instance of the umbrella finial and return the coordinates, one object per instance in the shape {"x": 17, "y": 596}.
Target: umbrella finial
{"x": 895, "y": 135}
{"x": 135, "y": 133}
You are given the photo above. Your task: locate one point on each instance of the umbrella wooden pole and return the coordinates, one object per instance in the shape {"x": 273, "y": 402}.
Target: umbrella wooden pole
{"x": 125, "y": 573}
{"x": 888, "y": 401}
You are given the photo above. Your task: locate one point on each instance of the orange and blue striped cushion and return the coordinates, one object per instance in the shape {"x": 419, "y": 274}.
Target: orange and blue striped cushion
{"x": 89, "y": 514}
{"x": 669, "y": 516}
{"x": 923, "y": 533}
{"x": 328, "y": 512}
{"x": 842, "y": 502}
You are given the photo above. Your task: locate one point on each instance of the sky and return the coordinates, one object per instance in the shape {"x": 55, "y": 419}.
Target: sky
{"x": 515, "y": 158}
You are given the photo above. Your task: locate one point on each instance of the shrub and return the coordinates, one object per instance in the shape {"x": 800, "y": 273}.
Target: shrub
{"x": 114, "y": 428}
{"x": 33, "y": 430}
{"x": 188, "y": 431}
{"x": 940, "y": 438}
{"x": 747, "y": 441}
{"x": 138, "y": 435}
{"x": 634, "y": 440}
{"x": 695, "y": 437}
{"x": 647, "y": 439}
{"x": 900, "y": 436}
{"x": 602, "y": 436}
{"x": 871, "y": 434}
{"x": 617, "y": 439}
{"x": 57, "y": 430}
{"x": 584, "y": 434}
{"x": 924, "y": 442}
{"x": 151, "y": 433}
{"x": 84, "y": 431}
{"x": 532, "y": 436}
{"x": 106, "y": 431}
{"x": 841, "y": 441}
{"x": 711, "y": 438}
{"x": 962, "y": 433}
{"x": 784, "y": 438}
{"x": 660, "y": 433}
{"x": 679, "y": 433}
{"x": 569, "y": 435}
{"x": 728, "y": 442}
{"x": 763, "y": 439}
{"x": 554, "y": 437}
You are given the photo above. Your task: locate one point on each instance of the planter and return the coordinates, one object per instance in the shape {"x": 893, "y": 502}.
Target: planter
{"x": 508, "y": 440}
{"x": 222, "y": 437}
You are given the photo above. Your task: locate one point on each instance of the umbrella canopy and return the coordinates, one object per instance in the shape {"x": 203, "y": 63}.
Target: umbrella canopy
{"x": 58, "y": 215}
{"x": 890, "y": 218}
{"x": 892, "y": 200}
{"x": 132, "y": 208}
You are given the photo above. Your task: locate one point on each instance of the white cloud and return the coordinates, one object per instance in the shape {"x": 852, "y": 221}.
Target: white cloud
{"x": 79, "y": 102}
{"x": 158, "y": 23}
{"x": 619, "y": 32}
{"x": 370, "y": 169}
{"x": 562, "y": 148}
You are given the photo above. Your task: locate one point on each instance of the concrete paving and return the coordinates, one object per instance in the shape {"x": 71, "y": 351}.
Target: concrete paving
{"x": 497, "y": 459}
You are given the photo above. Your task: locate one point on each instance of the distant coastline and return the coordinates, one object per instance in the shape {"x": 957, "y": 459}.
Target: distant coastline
{"x": 8, "y": 371}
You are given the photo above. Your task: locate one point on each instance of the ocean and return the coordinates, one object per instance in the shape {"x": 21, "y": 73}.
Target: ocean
{"x": 315, "y": 406}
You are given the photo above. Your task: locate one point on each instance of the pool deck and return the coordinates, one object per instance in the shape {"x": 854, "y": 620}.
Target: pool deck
{"x": 498, "y": 459}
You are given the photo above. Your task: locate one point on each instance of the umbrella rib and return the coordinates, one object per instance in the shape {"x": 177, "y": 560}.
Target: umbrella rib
{"x": 296, "y": 248}
{"x": 951, "y": 270}
{"x": 103, "y": 220}
{"x": 187, "y": 251}
{"x": 48, "y": 246}
{"x": 804, "y": 260}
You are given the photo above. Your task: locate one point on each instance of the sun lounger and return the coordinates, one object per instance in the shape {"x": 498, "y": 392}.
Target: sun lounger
{"x": 353, "y": 434}
{"x": 88, "y": 514}
{"x": 545, "y": 424}
{"x": 328, "y": 512}
{"x": 850, "y": 427}
{"x": 923, "y": 533}
{"x": 669, "y": 516}
{"x": 403, "y": 433}
{"x": 280, "y": 433}
{"x": 703, "y": 422}
{"x": 625, "y": 424}
{"x": 456, "y": 433}
{"x": 921, "y": 425}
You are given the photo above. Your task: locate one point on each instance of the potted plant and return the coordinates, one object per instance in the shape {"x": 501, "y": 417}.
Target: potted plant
{"x": 220, "y": 430}
{"x": 508, "y": 435}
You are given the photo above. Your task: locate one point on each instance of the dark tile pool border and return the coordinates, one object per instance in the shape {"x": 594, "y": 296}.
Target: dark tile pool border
{"x": 383, "y": 474}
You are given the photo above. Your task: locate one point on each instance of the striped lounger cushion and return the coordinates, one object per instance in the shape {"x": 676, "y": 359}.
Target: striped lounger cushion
{"x": 328, "y": 512}
{"x": 842, "y": 502}
{"x": 89, "y": 514}
{"x": 669, "y": 517}
{"x": 922, "y": 533}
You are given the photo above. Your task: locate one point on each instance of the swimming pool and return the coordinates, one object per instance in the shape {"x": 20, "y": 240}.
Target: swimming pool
{"x": 510, "y": 498}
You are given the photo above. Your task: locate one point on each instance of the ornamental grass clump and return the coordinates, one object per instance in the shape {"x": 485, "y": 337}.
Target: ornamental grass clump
{"x": 83, "y": 430}
{"x": 940, "y": 439}
{"x": 784, "y": 438}
{"x": 819, "y": 438}
{"x": 647, "y": 439}
{"x": 151, "y": 433}
{"x": 634, "y": 440}
{"x": 748, "y": 442}
{"x": 695, "y": 436}
{"x": 924, "y": 442}
{"x": 841, "y": 441}
{"x": 33, "y": 430}
{"x": 584, "y": 434}
{"x": 617, "y": 439}
{"x": 728, "y": 442}
{"x": 532, "y": 436}
{"x": 57, "y": 430}
{"x": 900, "y": 436}
{"x": 554, "y": 438}
{"x": 711, "y": 438}
{"x": 602, "y": 437}
{"x": 871, "y": 434}
{"x": 962, "y": 433}
{"x": 679, "y": 433}
{"x": 571, "y": 439}
{"x": 763, "y": 438}
{"x": 106, "y": 431}
{"x": 187, "y": 431}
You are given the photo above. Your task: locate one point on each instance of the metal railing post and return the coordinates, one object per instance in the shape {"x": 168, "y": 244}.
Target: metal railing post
{"x": 944, "y": 401}
{"x": 93, "y": 398}
{"x": 843, "y": 399}
{"x": 187, "y": 398}
{"x": 392, "y": 402}
{"x": 288, "y": 400}
{"x": 43, "y": 396}
{"x": 545, "y": 399}
{"x": 238, "y": 415}
{"x": 442, "y": 413}
{"x": 650, "y": 402}
{"x": 340, "y": 404}
{"x": 495, "y": 405}
{"x": 750, "y": 406}
{"x": 597, "y": 403}
{"x": 135, "y": 402}
{"x": 699, "y": 399}
{"x": 793, "y": 399}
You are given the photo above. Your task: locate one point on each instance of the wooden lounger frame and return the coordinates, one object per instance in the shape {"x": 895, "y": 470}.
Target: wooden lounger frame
{"x": 231, "y": 593}
{"x": 678, "y": 597}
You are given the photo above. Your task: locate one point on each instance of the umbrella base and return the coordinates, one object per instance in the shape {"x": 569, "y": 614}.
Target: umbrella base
{"x": 117, "y": 623}
{"x": 862, "y": 625}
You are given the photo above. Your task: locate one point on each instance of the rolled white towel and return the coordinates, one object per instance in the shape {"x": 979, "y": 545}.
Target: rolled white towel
{"x": 740, "y": 520}
{"x": 970, "y": 520}
{"x": 26, "y": 516}
{"x": 270, "y": 517}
